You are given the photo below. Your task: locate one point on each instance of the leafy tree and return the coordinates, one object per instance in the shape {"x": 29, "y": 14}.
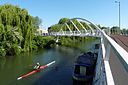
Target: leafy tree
{"x": 17, "y": 29}
{"x": 63, "y": 20}
{"x": 37, "y": 22}
{"x": 124, "y": 31}
{"x": 115, "y": 30}
{"x": 127, "y": 31}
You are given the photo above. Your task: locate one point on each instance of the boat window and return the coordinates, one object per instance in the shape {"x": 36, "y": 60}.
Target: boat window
{"x": 77, "y": 69}
{"x": 82, "y": 70}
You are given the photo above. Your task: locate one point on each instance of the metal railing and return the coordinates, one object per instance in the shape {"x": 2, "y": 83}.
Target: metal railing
{"x": 103, "y": 75}
{"x": 96, "y": 33}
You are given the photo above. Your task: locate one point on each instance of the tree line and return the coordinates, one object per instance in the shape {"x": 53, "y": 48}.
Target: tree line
{"x": 17, "y": 30}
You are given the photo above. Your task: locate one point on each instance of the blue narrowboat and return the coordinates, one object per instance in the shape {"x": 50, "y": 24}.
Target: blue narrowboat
{"x": 84, "y": 68}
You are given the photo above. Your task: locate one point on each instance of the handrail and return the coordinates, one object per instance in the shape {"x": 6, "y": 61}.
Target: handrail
{"x": 103, "y": 75}
{"x": 76, "y": 33}
{"x": 123, "y": 54}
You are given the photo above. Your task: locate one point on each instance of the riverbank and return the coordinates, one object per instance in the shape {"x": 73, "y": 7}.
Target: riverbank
{"x": 74, "y": 41}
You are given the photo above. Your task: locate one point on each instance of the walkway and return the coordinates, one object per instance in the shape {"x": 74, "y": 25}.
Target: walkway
{"x": 119, "y": 73}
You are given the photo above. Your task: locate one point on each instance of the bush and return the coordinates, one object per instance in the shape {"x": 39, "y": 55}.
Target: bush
{"x": 2, "y": 51}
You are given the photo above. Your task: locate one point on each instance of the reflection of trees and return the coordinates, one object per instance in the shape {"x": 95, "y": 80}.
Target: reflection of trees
{"x": 2, "y": 62}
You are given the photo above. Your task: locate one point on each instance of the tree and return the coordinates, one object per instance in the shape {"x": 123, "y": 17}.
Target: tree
{"x": 37, "y": 22}
{"x": 17, "y": 29}
{"x": 115, "y": 30}
{"x": 124, "y": 31}
{"x": 63, "y": 20}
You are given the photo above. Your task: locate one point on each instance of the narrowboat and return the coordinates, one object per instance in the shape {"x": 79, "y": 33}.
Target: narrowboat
{"x": 84, "y": 68}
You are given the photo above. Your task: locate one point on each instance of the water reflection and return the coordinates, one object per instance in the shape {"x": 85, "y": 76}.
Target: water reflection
{"x": 2, "y": 62}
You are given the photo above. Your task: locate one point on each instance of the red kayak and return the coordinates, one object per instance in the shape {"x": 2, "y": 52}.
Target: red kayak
{"x": 34, "y": 71}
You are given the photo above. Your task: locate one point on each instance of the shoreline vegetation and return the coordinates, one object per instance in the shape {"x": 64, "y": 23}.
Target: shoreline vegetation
{"x": 74, "y": 41}
{"x": 17, "y": 30}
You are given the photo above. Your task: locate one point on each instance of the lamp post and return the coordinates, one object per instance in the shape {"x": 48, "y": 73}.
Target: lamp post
{"x": 118, "y": 2}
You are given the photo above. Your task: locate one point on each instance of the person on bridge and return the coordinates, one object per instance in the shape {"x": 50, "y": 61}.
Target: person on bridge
{"x": 37, "y": 66}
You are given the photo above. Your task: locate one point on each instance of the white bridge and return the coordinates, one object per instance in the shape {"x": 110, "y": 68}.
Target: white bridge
{"x": 82, "y": 33}
{"x": 103, "y": 72}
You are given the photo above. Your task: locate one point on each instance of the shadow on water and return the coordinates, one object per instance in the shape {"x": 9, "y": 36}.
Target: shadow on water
{"x": 2, "y": 62}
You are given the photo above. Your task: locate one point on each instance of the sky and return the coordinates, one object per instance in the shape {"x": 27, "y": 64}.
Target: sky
{"x": 103, "y": 12}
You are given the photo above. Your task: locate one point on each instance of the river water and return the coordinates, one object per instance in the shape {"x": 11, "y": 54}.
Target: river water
{"x": 59, "y": 73}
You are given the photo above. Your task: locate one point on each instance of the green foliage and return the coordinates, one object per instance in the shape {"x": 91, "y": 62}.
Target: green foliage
{"x": 55, "y": 28}
{"x": 37, "y": 22}
{"x": 124, "y": 31}
{"x": 41, "y": 42}
{"x": 63, "y": 20}
{"x": 115, "y": 30}
{"x": 2, "y": 51}
{"x": 74, "y": 41}
{"x": 17, "y": 30}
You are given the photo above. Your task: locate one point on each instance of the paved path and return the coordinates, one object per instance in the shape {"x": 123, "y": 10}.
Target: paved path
{"x": 119, "y": 73}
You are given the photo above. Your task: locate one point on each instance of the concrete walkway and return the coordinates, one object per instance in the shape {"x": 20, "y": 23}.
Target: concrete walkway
{"x": 119, "y": 73}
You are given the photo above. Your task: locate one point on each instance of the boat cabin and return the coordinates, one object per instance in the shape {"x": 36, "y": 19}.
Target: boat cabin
{"x": 84, "y": 67}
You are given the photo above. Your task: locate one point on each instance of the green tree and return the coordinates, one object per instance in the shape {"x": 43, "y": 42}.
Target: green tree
{"x": 63, "y": 20}
{"x": 115, "y": 30}
{"x": 37, "y": 22}
{"x": 17, "y": 29}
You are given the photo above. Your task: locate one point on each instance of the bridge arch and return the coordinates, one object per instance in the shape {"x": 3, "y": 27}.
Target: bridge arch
{"x": 85, "y": 24}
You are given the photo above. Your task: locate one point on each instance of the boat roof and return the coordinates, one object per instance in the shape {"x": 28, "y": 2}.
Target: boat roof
{"x": 86, "y": 59}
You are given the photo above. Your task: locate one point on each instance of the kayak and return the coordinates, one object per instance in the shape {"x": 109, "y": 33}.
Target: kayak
{"x": 36, "y": 70}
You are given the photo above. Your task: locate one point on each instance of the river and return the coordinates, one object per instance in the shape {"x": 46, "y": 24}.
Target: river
{"x": 59, "y": 73}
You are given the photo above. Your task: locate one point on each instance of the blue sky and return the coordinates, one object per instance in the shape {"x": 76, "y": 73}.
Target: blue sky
{"x": 104, "y": 12}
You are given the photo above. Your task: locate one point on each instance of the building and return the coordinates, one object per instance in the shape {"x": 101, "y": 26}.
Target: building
{"x": 42, "y": 32}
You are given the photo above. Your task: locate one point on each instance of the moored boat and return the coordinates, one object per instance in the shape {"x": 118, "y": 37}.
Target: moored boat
{"x": 84, "y": 68}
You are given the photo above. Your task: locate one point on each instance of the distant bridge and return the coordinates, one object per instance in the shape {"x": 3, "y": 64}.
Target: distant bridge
{"x": 103, "y": 74}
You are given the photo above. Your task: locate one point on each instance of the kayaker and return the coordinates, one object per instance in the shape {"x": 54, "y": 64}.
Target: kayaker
{"x": 37, "y": 66}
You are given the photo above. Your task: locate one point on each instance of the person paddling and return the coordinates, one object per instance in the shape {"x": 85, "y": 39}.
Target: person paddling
{"x": 37, "y": 66}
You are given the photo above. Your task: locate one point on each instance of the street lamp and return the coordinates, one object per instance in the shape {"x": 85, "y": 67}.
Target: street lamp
{"x": 118, "y": 2}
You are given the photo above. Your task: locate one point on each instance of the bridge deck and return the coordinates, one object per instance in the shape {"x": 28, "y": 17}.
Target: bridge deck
{"x": 119, "y": 73}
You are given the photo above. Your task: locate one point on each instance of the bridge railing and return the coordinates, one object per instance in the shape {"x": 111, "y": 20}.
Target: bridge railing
{"x": 100, "y": 76}
{"x": 95, "y": 33}
{"x": 103, "y": 74}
